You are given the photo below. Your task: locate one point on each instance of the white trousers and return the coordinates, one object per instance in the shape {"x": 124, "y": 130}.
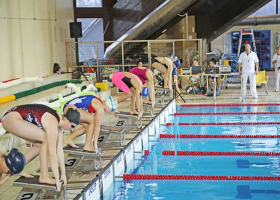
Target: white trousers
{"x": 277, "y": 76}
{"x": 253, "y": 86}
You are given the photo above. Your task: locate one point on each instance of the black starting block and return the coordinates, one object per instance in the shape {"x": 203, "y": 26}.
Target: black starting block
{"x": 80, "y": 152}
{"x": 35, "y": 186}
{"x": 126, "y": 117}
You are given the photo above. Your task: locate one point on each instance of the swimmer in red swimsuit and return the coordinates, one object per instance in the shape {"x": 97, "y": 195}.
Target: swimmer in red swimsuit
{"x": 42, "y": 126}
{"x": 147, "y": 78}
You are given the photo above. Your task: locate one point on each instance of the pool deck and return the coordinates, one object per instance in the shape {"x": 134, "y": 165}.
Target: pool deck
{"x": 229, "y": 95}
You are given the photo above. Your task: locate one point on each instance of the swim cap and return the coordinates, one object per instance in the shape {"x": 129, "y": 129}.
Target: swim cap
{"x": 145, "y": 92}
{"x": 15, "y": 161}
{"x": 73, "y": 116}
{"x": 112, "y": 103}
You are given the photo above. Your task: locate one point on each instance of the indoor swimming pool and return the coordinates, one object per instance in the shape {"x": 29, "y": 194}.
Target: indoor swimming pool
{"x": 212, "y": 174}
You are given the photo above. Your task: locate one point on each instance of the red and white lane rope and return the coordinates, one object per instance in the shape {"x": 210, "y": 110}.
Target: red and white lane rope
{"x": 198, "y": 177}
{"x": 222, "y": 123}
{"x": 227, "y": 105}
{"x": 217, "y": 153}
{"x": 182, "y": 136}
{"x": 230, "y": 113}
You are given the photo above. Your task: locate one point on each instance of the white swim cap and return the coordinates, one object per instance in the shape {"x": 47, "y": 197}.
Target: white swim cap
{"x": 112, "y": 103}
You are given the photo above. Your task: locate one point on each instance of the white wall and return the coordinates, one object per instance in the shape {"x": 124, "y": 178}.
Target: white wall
{"x": 28, "y": 46}
{"x": 225, "y": 44}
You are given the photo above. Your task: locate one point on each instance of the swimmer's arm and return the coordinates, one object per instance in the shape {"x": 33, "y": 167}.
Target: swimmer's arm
{"x": 137, "y": 93}
{"x": 60, "y": 154}
{"x": 152, "y": 89}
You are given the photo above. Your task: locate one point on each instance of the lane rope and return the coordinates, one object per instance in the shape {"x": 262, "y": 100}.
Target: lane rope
{"x": 230, "y": 113}
{"x": 222, "y": 123}
{"x": 183, "y": 136}
{"x": 198, "y": 177}
{"x": 227, "y": 105}
{"x": 217, "y": 153}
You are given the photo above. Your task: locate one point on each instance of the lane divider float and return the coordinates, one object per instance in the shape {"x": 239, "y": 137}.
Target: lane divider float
{"x": 227, "y": 105}
{"x": 217, "y": 153}
{"x": 222, "y": 123}
{"x": 183, "y": 136}
{"x": 229, "y": 113}
{"x": 198, "y": 177}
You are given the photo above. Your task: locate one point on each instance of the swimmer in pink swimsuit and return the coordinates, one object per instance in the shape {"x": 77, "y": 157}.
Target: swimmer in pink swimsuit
{"x": 147, "y": 77}
{"x": 132, "y": 87}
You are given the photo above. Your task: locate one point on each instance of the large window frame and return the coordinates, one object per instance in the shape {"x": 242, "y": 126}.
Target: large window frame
{"x": 94, "y": 12}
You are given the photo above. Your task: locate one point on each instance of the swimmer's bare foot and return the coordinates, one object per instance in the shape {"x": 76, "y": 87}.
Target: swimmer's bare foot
{"x": 47, "y": 180}
{"x": 24, "y": 174}
{"x": 134, "y": 112}
{"x": 116, "y": 111}
{"x": 148, "y": 102}
{"x": 71, "y": 143}
{"x": 90, "y": 149}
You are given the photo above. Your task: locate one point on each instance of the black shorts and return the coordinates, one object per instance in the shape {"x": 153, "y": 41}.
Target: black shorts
{"x": 127, "y": 81}
{"x": 156, "y": 61}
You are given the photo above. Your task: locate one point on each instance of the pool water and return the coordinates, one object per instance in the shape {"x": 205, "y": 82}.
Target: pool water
{"x": 156, "y": 163}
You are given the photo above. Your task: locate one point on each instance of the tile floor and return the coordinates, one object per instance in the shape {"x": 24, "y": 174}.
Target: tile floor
{"x": 229, "y": 95}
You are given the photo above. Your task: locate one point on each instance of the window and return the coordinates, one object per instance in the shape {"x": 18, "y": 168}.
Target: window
{"x": 268, "y": 9}
{"x": 88, "y": 3}
{"x": 92, "y": 29}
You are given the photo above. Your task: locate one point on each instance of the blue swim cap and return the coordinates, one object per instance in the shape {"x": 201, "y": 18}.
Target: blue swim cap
{"x": 15, "y": 161}
{"x": 145, "y": 92}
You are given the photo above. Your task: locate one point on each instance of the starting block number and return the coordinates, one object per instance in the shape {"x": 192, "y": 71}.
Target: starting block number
{"x": 121, "y": 123}
{"x": 27, "y": 195}
{"x": 70, "y": 162}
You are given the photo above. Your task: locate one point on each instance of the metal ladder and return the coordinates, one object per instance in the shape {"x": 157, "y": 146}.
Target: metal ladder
{"x": 246, "y": 31}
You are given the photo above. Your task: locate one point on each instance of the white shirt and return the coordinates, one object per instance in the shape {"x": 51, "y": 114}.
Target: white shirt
{"x": 248, "y": 61}
{"x": 277, "y": 58}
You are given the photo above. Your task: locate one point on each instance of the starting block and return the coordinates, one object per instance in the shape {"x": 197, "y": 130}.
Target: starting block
{"x": 111, "y": 134}
{"x": 148, "y": 106}
{"x": 161, "y": 94}
{"x": 35, "y": 188}
{"x": 80, "y": 152}
{"x": 125, "y": 118}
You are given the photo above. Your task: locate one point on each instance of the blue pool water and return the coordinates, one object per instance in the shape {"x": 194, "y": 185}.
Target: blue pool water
{"x": 156, "y": 163}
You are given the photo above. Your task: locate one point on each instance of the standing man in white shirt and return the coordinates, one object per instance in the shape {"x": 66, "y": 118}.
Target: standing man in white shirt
{"x": 276, "y": 62}
{"x": 250, "y": 66}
